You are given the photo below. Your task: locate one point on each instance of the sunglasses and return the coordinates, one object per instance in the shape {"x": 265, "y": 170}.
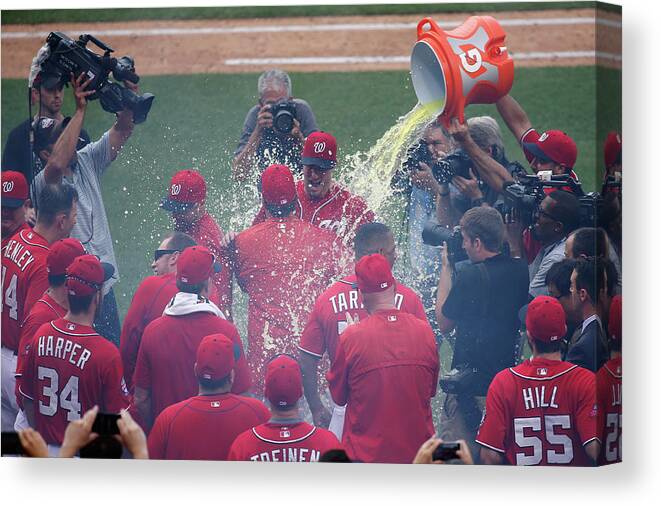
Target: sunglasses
{"x": 160, "y": 252}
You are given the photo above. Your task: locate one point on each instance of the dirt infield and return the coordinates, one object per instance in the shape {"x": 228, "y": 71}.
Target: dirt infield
{"x": 535, "y": 38}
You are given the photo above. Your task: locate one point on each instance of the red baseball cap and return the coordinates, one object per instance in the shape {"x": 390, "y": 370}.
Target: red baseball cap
{"x": 278, "y": 187}
{"x": 196, "y": 264}
{"x": 615, "y": 319}
{"x": 86, "y": 275}
{"x": 215, "y": 357}
{"x": 320, "y": 149}
{"x": 14, "y": 189}
{"x": 187, "y": 188}
{"x": 283, "y": 384}
{"x": 556, "y": 146}
{"x": 373, "y": 274}
{"x": 545, "y": 319}
{"x": 612, "y": 148}
{"x": 61, "y": 254}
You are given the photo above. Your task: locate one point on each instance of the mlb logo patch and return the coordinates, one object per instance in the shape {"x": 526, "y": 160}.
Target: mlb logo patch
{"x": 71, "y": 326}
{"x": 542, "y": 371}
{"x": 285, "y": 433}
{"x": 392, "y": 318}
{"x": 215, "y": 404}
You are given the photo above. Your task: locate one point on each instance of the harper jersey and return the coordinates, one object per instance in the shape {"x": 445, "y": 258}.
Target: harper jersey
{"x": 609, "y": 400}
{"x": 339, "y": 211}
{"x": 283, "y": 265}
{"x": 148, "y": 303}
{"x": 44, "y": 310}
{"x": 166, "y": 358}
{"x": 24, "y": 281}
{"x": 340, "y": 302}
{"x": 541, "y": 412}
{"x": 69, "y": 369}
{"x": 203, "y": 427}
{"x": 207, "y": 233}
{"x": 282, "y": 441}
{"x": 385, "y": 371}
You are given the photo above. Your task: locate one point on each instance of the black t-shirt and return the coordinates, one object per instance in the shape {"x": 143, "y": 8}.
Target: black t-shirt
{"x": 16, "y": 155}
{"x": 486, "y": 317}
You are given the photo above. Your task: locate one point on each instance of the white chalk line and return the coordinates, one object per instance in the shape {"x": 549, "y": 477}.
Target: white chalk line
{"x": 156, "y": 32}
{"x": 349, "y": 60}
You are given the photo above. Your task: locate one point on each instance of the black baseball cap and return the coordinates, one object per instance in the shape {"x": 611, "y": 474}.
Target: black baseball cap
{"x": 47, "y": 131}
{"x": 49, "y": 80}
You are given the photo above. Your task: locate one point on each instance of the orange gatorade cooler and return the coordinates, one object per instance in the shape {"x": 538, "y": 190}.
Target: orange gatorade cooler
{"x": 467, "y": 65}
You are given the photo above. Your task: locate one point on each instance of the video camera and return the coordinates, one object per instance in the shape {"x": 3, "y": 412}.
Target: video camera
{"x": 457, "y": 163}
{"x": 283, "y": 113}
{"x": 525, "y": 194}
{"x": 68, "y": 56}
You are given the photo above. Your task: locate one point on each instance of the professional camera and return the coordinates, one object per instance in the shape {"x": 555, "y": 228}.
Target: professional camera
{"x": 590, "y": 211}
{"x": 435, "y": 234}
{"x": 528, "y": 191}
{"x": 283, "y": 113}
{"x": 457, "y": 163}
{"x": 67, "y": 56}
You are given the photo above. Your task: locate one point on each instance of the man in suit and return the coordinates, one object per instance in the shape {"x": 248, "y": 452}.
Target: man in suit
{"x": 588, "y": 347}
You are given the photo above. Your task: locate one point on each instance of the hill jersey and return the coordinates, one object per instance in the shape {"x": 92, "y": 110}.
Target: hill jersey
{"x": 541, "y": 412}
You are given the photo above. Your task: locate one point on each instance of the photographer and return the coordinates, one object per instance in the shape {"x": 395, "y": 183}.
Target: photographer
{"x": 48, "y": 91}
{"x": 274, "y": 129}
{"x": 83, "y": 170}
{"x": 556, "y": 217}
{"x": 481, "y": 302}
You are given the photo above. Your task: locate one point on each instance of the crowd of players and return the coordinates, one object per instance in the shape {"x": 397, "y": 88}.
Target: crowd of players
{"x": 332, "y": 338}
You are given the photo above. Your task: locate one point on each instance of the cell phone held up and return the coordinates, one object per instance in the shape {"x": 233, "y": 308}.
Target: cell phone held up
{"x": 446, "y": 451}
{"x": 105, "y": 424}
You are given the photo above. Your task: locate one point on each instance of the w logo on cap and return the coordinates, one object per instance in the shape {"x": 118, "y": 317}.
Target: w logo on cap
{"x": 175, "y": 189}
{"x": 319, "y": 147}
{"x": 7, "y": 186}
{"x": 543, "y": 137}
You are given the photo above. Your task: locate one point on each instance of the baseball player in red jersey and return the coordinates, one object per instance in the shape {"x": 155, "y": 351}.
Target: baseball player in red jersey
{"x": 322, "y": 201}
{"x": 283, "y": 264}
{"x": 151, "y": 297}
{"x": 25, "y": 279}
{"x": 15, "y": 204}
{"x": 186, "y": 203}
{"x": 609, "y": 389}
{"x": 285, "y": 437}
{"x": 164, "y": 369}
{"x": 335, "y": 308}
{"x": 385, "y": 371}
{"x": 70, "y": 368}
{"x": 543, "y": 411}
{"x": 53, "y": 305}
{"x": 204, "y": 426}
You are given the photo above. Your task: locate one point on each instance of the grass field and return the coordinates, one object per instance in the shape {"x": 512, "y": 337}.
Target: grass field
{"x": 196, "y": 121}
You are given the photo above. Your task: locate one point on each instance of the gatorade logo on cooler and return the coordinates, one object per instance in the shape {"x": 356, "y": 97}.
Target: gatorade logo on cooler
{"x": 474, "y": 56}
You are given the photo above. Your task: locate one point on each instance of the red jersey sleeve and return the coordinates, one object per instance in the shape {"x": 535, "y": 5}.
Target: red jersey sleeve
{"x": 134, "y": 326}
{"x": 338, "y": 376}
{"x": 157, "y": 439}
{"x": 116, "y": 395}
{"x": 313, "y": 340}
{"x": 37, "y": 285}
{"x": 237, "y": 450}
{"x": 417, "y": 309}
{"x": 586, "y": 407}
{"x": 142, "y": 374}
{"x": 493, "y": 428}
{"x": 27, "y": 378}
